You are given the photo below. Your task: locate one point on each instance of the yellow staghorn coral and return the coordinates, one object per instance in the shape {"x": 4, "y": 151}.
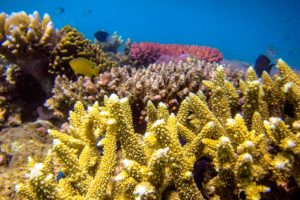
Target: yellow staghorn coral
{"x": 253, "y": 98}
{"x": 219, "y": 100}
{"x": 251, "y": 153}
{"x": 273, "y": 95}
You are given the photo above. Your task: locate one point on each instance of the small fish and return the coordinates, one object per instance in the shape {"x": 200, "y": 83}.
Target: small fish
{"x": 262, "y": 63}
{"x": 271, "y": 51}
{"x": 84, "y": 67}
{"x": 292, "y": 52}
{"x": 101, "y": 36}
{"x": 87, "y": 12}
{"x": 60, "y": 175}
{"x": 58, "y": 10}
{"x": 286, "y": 37}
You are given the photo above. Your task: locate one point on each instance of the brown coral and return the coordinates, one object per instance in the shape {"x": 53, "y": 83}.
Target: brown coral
{"x": 168, "y": 83}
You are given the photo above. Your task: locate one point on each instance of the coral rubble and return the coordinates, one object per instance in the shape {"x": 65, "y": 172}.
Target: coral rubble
{"x": 254, "y": 151}
{"x": 16, "y": 145}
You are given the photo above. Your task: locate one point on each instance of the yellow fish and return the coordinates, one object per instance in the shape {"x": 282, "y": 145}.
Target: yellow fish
{"x": 84, "y": 67}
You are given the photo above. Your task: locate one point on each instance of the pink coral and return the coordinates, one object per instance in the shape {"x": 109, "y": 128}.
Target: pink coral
{"x": 146, "y": 52}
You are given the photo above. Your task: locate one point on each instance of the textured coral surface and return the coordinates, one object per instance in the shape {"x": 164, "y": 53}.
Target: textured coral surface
{"x": 146, "y": 52}
{"x": 168, "y": 83}
{"x": 19, "y": 142}
{"x": 249, "y": 150}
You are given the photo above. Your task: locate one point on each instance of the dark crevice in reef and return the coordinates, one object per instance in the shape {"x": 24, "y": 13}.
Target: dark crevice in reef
{"x": 31, "y": 96}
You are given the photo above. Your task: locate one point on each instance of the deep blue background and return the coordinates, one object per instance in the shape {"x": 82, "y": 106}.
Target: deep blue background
{"x": 241, "y": 29}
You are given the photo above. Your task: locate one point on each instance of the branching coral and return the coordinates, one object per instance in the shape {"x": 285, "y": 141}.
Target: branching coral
{"x": 38, "y": 49}
{"x": 168, "y": 83}
{"x": 38, "y": 53}
{"x": 252, "y": 152}
{"x": 27, "y": 40}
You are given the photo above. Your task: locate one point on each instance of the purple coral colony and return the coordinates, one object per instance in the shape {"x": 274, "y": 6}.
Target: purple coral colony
{"x": 80, "y": 120}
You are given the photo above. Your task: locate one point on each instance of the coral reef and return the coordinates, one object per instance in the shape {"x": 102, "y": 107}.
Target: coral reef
{"x": 168, "y": 83}
{"x": 112, "y": 44}
{"x": 254, "y": 152}
{"x": 32, "y": 53}
{"x": 39, "y": 50}
{"x": 9, "y": 111}
{"x": 73, "y": 45}
{"x": 19, "y": 96}
{"x": 145, "y": 53}
{"x": 27, "y": 41}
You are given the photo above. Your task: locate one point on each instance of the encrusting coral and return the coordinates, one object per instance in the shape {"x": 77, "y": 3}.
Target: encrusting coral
{"x": 254, "y": 154}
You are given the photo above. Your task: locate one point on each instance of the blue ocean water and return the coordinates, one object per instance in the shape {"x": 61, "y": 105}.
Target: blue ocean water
{"x": 240, "y": 29}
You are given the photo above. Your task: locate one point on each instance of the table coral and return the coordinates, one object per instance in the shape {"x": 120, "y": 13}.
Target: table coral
{"x": 255, "y": 155}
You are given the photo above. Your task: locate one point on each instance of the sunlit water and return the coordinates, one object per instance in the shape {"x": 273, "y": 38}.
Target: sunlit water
{"x": 240, "y": 29}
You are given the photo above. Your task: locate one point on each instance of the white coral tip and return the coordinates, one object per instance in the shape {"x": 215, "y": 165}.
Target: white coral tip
{"x": 36, "y": 170}
{"x": 113, "y": 97}
{"x": 158, "y": 122}
{"x": 127, "y": 163}
{"x": 275, "y": 120}
{"x": 230, "y": 122}
{"x": 249, "y": 144}
{"x": 56, "y": 142}
{"x": 247, "y": 157}
{"x": 17, "y": 187}
{"x": 162, "y": 104}
{"x": 224, "y": 139}
{"x": 287, "y": 87}
{"x": 124, "y": 100}
{"x": 162, "y": 152}
{"x": 291, "y": 144}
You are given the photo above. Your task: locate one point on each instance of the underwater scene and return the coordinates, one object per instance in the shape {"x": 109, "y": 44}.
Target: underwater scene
{"x": 150, "y": 100}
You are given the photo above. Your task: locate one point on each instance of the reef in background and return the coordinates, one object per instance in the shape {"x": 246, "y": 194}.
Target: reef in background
{"x": 146, "y": 53}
